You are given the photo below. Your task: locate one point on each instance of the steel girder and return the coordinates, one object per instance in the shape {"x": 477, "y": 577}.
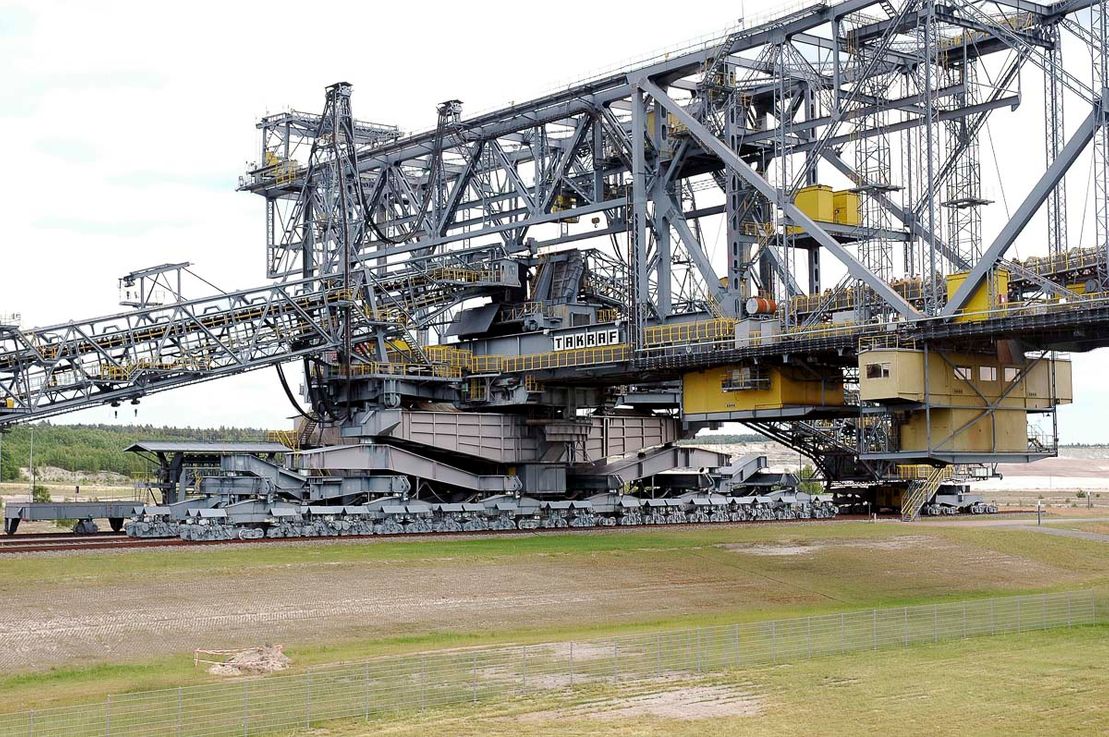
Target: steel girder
{"x": 490, "y": 180}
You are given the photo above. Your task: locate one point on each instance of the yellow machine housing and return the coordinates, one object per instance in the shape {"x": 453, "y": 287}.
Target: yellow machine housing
{"x": 824, "y": 205}
{"x": 978, "y": 403}
{"x": 747, "y": 388}
{"x": 991, "y": 295}
{"x": 846, "y": 208}
{"x": 817, "y": 201}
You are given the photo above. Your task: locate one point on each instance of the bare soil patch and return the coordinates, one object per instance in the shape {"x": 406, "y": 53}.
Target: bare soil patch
{"x": 306, "y": 602}
{"x": 251, "y": 661}
{"x": 689, "y": 702}
{"x": 816, "y": 546}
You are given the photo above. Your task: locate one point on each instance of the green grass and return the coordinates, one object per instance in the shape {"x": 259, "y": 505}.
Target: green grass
{"x": 1042, "y": 683}
{"x": 953, "y": 563}
{"x": 1096, "y": 526}
{"x": 237, "y": 558}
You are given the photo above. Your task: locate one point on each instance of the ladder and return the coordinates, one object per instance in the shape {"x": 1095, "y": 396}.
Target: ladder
{"x": 305, "y": 435}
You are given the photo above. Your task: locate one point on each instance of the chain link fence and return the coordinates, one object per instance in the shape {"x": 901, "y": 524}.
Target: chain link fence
{"x": 402, "y": 684}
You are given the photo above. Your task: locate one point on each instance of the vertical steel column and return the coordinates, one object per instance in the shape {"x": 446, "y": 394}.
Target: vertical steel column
{"x": 931, "y": 151}
{"x": 1054, "y": 138}
{"x": 735, "y": 210}
{"x": 872, "y": 166}
{"x": 1100, "y": 61}
{"x": 660, "y": 227}
{"x": 963, "y": 187}
{"x": 782, "y": 143}
{"x": 637, "y": 224}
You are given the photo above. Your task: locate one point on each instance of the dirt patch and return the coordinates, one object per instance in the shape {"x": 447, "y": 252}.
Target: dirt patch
{"x": 788, "y": 548}
{"x": 305, "y": 601}
{"x": 685, "y": 703}
{"x": 252, "y": 661}
{"x": 579, "y": 651}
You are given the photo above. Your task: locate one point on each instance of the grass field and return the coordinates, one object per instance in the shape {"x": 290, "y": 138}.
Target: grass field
{"x": 1099, "y": 527}
{"x": 1042, "y": 683}
{"x": 121, "y": 621}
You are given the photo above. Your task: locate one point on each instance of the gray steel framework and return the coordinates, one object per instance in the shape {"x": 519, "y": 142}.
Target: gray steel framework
{"x": 380, "y": 241}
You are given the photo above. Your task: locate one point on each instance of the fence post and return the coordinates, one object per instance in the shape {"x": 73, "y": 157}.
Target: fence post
{"x": 308, "y": 702}
{"x": 1068, "y": 609}
{"x": 473, "y": 673}
{"x": 700, "y": 651}
{"x": 180, "y": 711}
{"x": 31, "y": 724}
{"x": 874, "y": 628}
{"x": 423, "y": 683}
{"x": 773, "y": 642}
{"x": 658, "y": 655}
{"x": 993, "y": 619}
{"x": 571, "y": 664}
{"x": 842, "y": 632}
{"x": 964, "y": 620}
{"x": 935, "y": 623}
{"x": 615, "y": 661}
{"x": 808, "y": 633}
{"x": 524, "y": 671}
{"x": 108, "y": 717}
{"x": 1093, "y": 607}
{"x": 366, "y": 682}
{"x": 246, "y": 707}
{"x": 1018, "y": 614}
{"x": 906, "y": 626}
{"x": 738, "y": 650}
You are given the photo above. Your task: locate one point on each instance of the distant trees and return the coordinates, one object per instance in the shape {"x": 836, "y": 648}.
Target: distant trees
{"x": 9, "y": 468}
{"x": 95, "y": 448}
{"x": 810, "y": 482}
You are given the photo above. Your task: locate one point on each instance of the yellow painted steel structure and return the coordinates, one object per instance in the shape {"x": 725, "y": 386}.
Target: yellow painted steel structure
{"x": 681, "y": 333}
{"x": 563, "y": 359}
{"x": 923, "y": 471}
{"x": 990, "y": 296}
{"x": 825, "y": 205}
{"x": 817, "y": 201}
{"x": 846, "y": 208}
{"x": 978, "y": 403}
{"x": 898, "y": 374}
{"x": 710, "y": 391}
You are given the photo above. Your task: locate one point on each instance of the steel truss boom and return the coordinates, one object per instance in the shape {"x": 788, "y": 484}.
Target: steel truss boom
{"x": 376, "y": 238}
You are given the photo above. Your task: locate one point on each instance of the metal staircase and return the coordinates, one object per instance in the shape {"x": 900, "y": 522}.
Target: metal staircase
{"x": 833, "y": 456}
{"x": 919, "y": 491}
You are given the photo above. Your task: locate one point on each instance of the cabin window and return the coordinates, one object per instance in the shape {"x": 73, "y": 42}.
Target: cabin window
{"x": 1012, "y": 373}
{"x": 964, "y": 373}
{"x": 877, "y": 371}
{"x": 987, "y": 373}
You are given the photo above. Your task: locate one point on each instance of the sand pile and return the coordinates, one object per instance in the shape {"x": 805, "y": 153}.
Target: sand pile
{"x": 252, "y": 661}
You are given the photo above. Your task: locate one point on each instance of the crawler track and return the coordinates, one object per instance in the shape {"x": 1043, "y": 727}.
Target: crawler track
{"x": 63, "y": 541}
{"x": 51, "y": 542}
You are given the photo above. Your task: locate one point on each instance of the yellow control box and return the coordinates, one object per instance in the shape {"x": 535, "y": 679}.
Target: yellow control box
{"x": 991, "y": 295}
{"x": 846, "y": 208}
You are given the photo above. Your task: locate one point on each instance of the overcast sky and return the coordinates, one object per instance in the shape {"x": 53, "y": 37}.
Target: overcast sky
{"x": 127, "y": 125}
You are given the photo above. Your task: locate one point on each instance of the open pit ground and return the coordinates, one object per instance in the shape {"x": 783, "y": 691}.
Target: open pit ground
{"x": 77, "y": 626}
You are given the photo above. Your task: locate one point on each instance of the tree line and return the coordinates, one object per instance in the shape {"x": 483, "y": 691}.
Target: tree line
{"x": 95, "y": 448}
